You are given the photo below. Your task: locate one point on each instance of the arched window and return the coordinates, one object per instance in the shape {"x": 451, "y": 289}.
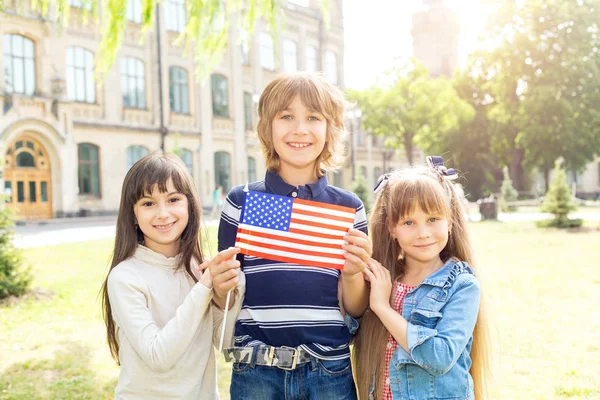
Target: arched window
{"x": 25, "y": 159}
{"x": 81, "y": 85}
{"x": 88, "y": 169}
{"x": 133, "y": 83}
{"x": 220, "y": 100}
{"x": 251, "y": 169}
{"x": 134, "y": 153}
{"x": 223, "y": 170}
{"x": 178, "y": 90}
{"x": 19, "y": 64}
{"x": 312, "y": 63}
{"x": 175, "y": 15}
{"x": 290, "y": 56}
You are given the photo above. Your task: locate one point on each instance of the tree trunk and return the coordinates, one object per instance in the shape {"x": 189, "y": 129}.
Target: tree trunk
{"x": 546, "y": 179}
{"x": 516, "y": 169}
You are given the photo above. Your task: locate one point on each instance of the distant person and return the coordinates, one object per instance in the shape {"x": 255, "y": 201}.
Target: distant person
{"x": 424, "y": 335}
{"x": 162, "y": 311}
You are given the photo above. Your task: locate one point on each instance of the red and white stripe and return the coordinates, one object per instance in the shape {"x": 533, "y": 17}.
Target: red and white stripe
{"x": 315, "y": 236}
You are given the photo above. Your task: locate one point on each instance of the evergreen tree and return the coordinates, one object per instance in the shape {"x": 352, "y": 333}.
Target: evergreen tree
{"x": 14, "y": 277}
{"x": 558, "y": 201}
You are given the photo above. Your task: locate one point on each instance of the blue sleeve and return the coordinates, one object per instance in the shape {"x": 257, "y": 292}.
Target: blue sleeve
{"x": 360, "y": 220}
{"x": 437, "y": 349}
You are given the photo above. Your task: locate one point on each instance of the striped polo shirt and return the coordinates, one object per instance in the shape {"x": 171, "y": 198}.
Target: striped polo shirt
{"x": 288, "y": 304}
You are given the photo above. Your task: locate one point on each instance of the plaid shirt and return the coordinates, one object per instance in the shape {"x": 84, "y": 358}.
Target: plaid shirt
{"x": 400, "y": 291}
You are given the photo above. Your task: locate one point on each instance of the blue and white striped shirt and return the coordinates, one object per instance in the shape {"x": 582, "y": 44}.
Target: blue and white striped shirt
{"x": 290, "y": 304}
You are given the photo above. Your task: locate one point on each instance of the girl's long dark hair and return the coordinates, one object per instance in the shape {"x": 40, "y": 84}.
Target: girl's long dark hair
{"x": 154, "y": 169}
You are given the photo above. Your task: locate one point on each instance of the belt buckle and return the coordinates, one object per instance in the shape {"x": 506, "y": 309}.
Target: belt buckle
{"x": 296, "y": 354}
{"x": 270, "y": 356}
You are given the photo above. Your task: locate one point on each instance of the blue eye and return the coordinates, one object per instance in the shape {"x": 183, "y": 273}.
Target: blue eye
{"x": 286, "y": 117}
{"x": 313, "y": 118}
{"x": 433, "y": 219}
{"x": 408, "y": 223}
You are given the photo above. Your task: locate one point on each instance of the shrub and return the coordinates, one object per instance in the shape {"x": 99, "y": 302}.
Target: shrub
{"x": 359, "y": 187}
{"x": 14, "y": 277}
{"x": 507, "y": 192}
{"x": 558, "y": 200}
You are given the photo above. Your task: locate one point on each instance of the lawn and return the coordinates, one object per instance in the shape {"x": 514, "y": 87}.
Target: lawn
{"x": 543, "y": 287}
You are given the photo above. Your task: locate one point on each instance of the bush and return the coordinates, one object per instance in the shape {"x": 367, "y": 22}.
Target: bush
{"x": 507, "y": 192}
{"x": 359, "y": 187}
{"x": 558, "y": 200}
{"x": 14, "y": 277}
{"x": 555, "y": 223}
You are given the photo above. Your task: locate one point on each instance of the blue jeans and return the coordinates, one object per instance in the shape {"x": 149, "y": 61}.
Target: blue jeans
{"x": 317, "y": 379}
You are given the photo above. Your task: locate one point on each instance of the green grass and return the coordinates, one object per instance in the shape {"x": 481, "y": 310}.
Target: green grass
{"x": 543, "y": 287}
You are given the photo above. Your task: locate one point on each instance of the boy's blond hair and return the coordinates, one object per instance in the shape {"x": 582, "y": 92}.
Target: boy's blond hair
{"x": 316, "y": 94}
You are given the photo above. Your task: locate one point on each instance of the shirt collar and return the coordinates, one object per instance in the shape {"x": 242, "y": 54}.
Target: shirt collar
{"x": 277, "y": 185}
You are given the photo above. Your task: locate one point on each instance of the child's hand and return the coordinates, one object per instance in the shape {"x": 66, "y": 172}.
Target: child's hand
{"x": 223, "y": 269}
{"x": 381, "y": 285}
{"x": 358, "y": 252}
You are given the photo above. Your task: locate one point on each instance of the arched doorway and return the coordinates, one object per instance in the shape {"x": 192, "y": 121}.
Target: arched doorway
{"x": 27, "y": 179}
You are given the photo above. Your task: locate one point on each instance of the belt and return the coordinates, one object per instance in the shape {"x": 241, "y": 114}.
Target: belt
{"x": 281, "y": 357}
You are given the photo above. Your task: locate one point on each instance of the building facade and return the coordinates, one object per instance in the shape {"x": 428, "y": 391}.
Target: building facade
{"x": 67, "y": 139}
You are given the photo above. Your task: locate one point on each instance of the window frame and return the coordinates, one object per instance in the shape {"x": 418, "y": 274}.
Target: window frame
{"x": 175, "y": 15}
{"x": 137, "y": 148}
{"x": 287, "y": 56}
{"x": 87, "y": 72}
{"x": 24, "y": 62}
{"x": 81, "y": 163}
{"x": 127, "y": 77}
{"x": 267, "y": 52}
{"x": 219, "y": 110}
{"x": 179, "y": 90}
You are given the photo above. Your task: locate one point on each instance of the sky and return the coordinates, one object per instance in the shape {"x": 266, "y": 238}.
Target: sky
{"x": 378, "y": 31}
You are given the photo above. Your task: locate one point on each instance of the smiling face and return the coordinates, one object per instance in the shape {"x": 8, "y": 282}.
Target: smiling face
{"x": 422, "y": 236}
{"x": 162, "y": 218}
{"x": 298, "y": 136}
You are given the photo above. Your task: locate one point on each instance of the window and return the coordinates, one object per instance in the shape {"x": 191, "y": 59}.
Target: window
{"x": 88, "y": 169}
{"x": 81, "y": 85}
{"x": 363, "y": 171}
{"x": 133, "y": 83}
{"x": 188, "y": 159}
{"x": 84, "y": 4}
{"x": 134, "y": 11}
{"x": 175, "y": 15}
{"x": 248, "y": 111}
{"x": 267, "y": 52}
{"x": 134, "y": 153}
{"x": 25, "y": 159}
{"x": 178, "y": 90}
{"x": 19, "y": 64}
{"x": 245, "y": 46}
{"x": 290, "y": 56}
{"x": 219, "y": 95}
{"x": 331, "y": 67}
{"x": 251, "y": 169}
{"x": 311, "y": 59}
{"x": 338, "y": 179}
{"x": 223, "y": 170}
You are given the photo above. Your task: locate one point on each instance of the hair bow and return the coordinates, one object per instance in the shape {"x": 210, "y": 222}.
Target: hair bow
{"x": 437, "y": 163}
{"x": 381, "y": 182}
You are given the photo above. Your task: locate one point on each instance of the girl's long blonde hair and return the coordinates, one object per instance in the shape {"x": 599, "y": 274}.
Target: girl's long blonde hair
{"x": 154, "y": 169}
{"x": 405, "y": 190}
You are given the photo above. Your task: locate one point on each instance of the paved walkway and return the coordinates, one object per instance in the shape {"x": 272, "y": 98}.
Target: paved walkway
{"x": 59, "y": 231}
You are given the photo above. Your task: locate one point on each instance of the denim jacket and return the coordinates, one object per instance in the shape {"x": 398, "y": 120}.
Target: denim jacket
{"x": 441, "y": 314}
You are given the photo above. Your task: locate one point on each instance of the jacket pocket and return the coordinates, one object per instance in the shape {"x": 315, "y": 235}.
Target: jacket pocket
{"x": 426, "y": 318}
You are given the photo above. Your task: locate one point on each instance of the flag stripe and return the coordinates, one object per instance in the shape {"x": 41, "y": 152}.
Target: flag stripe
{"x": 322, "y": 219}
{"x": 325, "y": 205}
{"x": 277, "y": 239}
{"x": 324, "y": 236}
{"x": 323, "y": 211}
{"x": 307, "y": 224}
{"x": 295, "y": 234}
{"x": 297, "y": 250}
{"x": 304, "y": 261}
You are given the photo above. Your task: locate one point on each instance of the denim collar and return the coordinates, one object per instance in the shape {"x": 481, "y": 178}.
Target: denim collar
{"x": 447, "y": 273}
{"x": 277, "y": 185}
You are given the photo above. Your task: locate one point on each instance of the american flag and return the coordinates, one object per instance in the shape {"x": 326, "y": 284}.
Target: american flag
{"x": 293, "y": 230}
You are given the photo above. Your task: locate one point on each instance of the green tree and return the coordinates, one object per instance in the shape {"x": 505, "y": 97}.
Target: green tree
{"x": 411, "y": 109}
{"x": 544, "y": 80}
{"x": 507, "y": 192}
{"x": 558, "y": 200}
{"x": 14, "y": 277}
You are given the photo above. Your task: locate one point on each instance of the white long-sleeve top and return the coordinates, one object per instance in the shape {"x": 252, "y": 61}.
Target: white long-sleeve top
{"x": 166, "y": 326}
